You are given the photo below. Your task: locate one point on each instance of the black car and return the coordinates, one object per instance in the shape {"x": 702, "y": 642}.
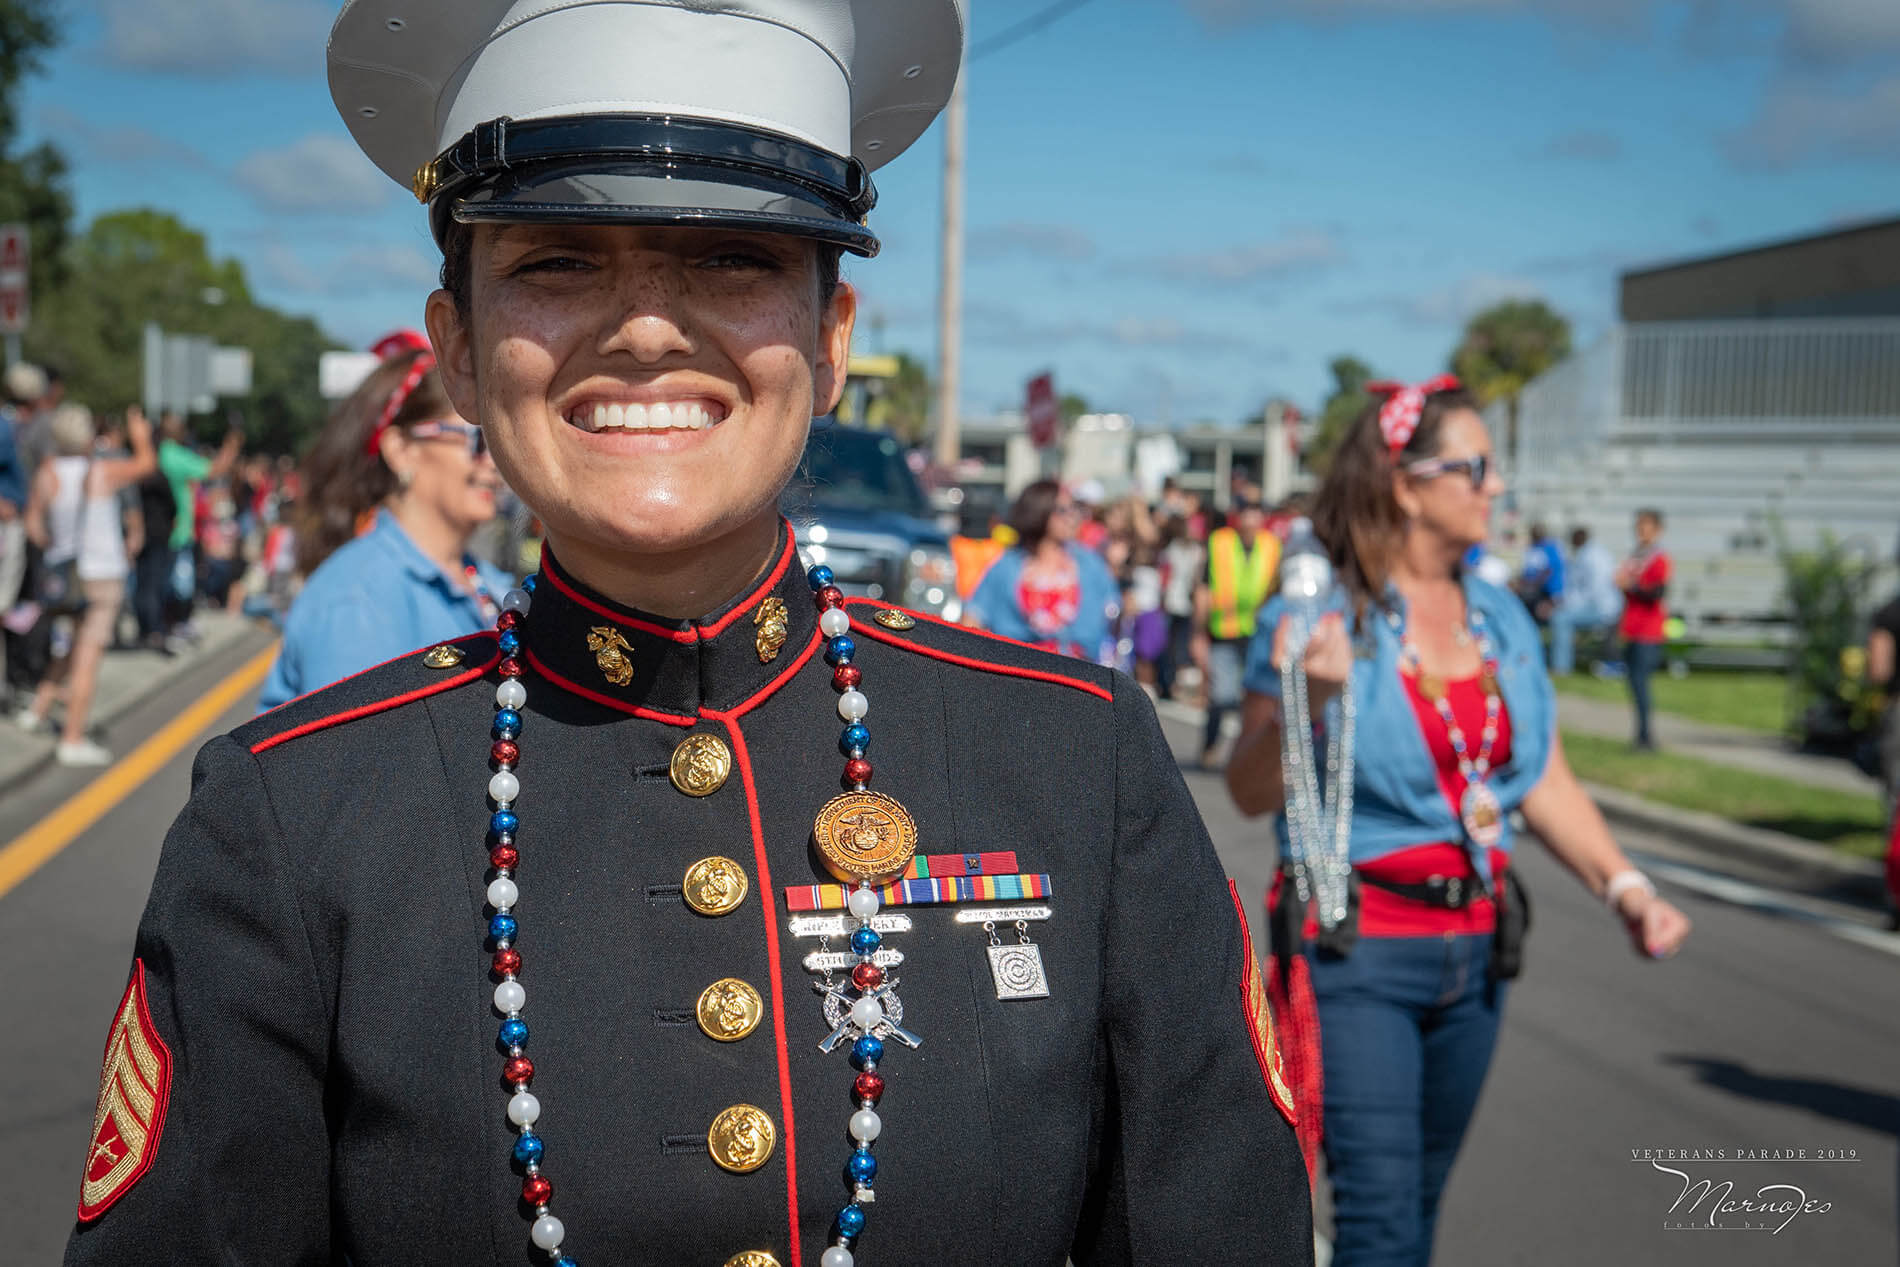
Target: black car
{"x": 859, "y": 509}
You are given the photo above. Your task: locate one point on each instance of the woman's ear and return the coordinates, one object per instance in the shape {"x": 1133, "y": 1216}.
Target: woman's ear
{"x": 1405, "y": 493}
{"x": 454, "y": 353}
{"x": 395, "y": 448}
{"x": 834, "y": 349}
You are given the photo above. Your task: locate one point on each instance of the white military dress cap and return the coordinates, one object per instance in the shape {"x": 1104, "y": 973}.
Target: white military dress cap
{"x": 762, "y": 114}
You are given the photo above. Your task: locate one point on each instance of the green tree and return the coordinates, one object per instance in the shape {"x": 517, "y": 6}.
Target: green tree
{"x": 1073, "y": 406}
{"x": 33, "y": 188}
{"x": 1506, "y": 346}
{"x": 1347, "y": 401}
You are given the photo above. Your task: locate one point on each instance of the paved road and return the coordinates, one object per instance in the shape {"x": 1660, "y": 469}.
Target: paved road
{"x": 1779, "y": 1028}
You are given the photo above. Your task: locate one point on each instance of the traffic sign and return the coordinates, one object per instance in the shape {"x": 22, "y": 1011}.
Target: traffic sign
{"x": 13, "y": 260}
{"x": 1043, "y": 410}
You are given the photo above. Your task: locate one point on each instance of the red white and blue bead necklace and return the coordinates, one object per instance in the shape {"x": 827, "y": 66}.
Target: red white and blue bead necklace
{"x": 1478, "y": 808}
{"x": 861, "y": 835}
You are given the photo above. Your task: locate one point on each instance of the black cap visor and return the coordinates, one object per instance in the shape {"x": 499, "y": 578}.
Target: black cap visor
{"x": 674, "y": 191}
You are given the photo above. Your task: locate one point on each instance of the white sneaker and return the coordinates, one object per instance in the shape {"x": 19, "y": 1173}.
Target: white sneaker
{"x": 26, "y": 719}
{"x": 85, "y": 752}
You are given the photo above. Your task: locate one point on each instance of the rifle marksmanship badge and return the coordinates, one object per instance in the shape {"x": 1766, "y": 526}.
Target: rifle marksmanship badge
{"x": 134, "y": 1087}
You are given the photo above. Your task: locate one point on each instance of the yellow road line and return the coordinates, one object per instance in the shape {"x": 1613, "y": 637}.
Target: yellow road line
{"x": 39, "y": 844}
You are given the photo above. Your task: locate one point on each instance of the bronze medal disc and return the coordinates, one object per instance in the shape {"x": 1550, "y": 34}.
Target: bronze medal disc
{"x": 701, "y": 764}
{"x": 865, "y": 836}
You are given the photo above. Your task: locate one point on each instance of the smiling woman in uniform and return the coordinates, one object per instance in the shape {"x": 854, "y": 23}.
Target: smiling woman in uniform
{"x": 598, "y": 937}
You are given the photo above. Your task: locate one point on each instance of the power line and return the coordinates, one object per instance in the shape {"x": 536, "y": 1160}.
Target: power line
{"x": 1027, "y": 27}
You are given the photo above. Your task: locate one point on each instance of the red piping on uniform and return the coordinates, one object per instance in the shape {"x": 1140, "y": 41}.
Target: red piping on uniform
{"x": 877, "y": 631}
{"x": 552, "y": 570}
{"x": 651, "y": 714}
{"x": 381, "y": 705}
{"x": 948, "y": 624}
{"x": 485, "y": 633}
{"x": 771, "y": 582}
{"x": 769, "y": 907}
{"x": 804, "y": 658}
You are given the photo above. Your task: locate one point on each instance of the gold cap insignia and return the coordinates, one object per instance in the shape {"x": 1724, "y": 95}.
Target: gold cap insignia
{"x": 729, "y": 1009}
{"x": 715, "y": 886}
{"x": 426, "y": 182}
{"x": 772, "y": 620}
{"x": 610, "y": 653}
{"x": 741, "y": 1139}
{"x": 445, "y": 656}
{"x": 701, "y": 764}
{"x": 891, "y": 618}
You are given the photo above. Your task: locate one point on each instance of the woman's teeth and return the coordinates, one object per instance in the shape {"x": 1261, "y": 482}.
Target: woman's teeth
{"x": 677, "y": 416}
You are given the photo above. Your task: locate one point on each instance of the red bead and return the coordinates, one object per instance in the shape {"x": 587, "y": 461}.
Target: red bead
{"x": 829, "y": 597}
{"x": 867, "y": 976}
{"x": 507, "y": 620}
{"x": 537, "y": 1190}
{"x": 868, "y": 1086}
{"x": 846, "y": 676}
{"x": 505, "y": 856}
{"x": 518, "y": 1069}
{"x": 510, "y": 667}
{"x": 507, "y": 961}
{"x": 857, "y": 770}
{"x": 505, "y": 751}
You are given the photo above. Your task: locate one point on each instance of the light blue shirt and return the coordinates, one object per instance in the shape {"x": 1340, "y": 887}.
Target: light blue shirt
{"x": 995, "y": 605}
{"x": 377, "y": 598}
{"x": 1397, "y": 800}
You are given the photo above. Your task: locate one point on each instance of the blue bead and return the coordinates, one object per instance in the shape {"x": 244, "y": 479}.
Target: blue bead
{"x": 529, "y": 1148}
{"x": 503, "y": 821}
{"x": 514, "y": 1033}
{"x": 507, "y": 723}
{"x": 840, "y": 649}
{"x": 856, "y": 736}
{"x": 501, "y": 926}
{"x": 862, "y": 1168}
{"x": 508, "y": 642}
{"x": 818, "y": 577}
{"x": 851, "y": 1219}
{"x": 866, "y": 940}
{"x": 527, "y": 586}
{"x": 867, "y": 1050}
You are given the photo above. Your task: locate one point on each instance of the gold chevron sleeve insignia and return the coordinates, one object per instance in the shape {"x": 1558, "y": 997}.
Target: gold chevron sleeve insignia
{"x": 134, "y": 1087}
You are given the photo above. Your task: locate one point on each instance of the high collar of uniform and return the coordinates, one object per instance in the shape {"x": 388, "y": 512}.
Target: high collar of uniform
{"x": 640, "y": 663}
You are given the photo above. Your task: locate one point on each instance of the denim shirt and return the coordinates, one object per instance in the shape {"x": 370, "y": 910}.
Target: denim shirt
{"x": 1397, "y": 800}
{"x": 994, "y": 602}
{"x": 377, "y": 598}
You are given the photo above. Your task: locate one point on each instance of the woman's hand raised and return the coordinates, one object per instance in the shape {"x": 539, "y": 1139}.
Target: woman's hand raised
{"x": 1327, "y": 658}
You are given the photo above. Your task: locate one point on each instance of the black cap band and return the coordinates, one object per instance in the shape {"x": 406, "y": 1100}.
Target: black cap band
{"x": 648, "y": 169}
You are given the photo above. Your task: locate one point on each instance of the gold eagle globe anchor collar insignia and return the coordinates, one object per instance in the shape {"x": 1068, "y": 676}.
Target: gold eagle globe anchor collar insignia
{"x": 774, "y": 625}
{"x": 612, "y": 653}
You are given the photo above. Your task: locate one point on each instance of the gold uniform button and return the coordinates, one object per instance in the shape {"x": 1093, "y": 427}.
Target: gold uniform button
{"x": 715, "y": 886}
{"x": 729, "y": 1009}
{"x": 701, "y": 764}
{"x": 891, "y": 618}
{"x": 445, "y": 656}
{"x": 752, "y": 1258}
{"x": 741, "y": 1139}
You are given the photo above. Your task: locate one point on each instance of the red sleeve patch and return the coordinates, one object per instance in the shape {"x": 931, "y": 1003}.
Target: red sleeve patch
{"x": 134, "y": 1086}
{"x": 1253, "y": 1001}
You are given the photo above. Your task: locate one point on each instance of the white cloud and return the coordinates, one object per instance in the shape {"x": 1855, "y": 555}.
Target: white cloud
{"x": 999, "y": 324}
{"x": 1450, "y": 305}
{"x": 215, "y": 37}
{"x": 1800, "y": 120}
{"x": 321, "y": 172}
{"x": 1049, "y": 241}
{"x": 113, "y": 143}
{"x": 1298, "y": 251}
{"x": 1830, "y": 31}
{"x": 360, "y": 270}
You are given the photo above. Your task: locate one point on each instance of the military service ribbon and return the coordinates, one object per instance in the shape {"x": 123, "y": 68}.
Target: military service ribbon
{"x": 923, "y": 891}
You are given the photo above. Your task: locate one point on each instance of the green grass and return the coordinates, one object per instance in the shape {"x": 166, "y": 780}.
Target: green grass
{"x": 1752, "y": 701}
{"x": 1853, "y": 823}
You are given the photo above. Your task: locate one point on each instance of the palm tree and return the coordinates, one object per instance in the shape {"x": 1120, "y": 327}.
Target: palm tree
{"x": 1505, "y": 347}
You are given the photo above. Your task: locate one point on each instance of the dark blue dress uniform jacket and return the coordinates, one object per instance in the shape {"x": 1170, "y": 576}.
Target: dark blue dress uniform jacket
{"x": 314, "y": 959}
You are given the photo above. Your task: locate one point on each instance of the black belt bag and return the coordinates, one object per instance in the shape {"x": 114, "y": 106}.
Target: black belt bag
{"x": 1455, "y": 893}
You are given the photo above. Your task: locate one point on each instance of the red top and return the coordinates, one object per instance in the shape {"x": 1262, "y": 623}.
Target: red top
{"x": 1643, "y": 618}
{"x": 1383, "y": 914}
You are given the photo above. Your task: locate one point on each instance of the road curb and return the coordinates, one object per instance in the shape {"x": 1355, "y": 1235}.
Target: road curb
{"x": 1857, "y": 878}
{"x": 218, "y": 640}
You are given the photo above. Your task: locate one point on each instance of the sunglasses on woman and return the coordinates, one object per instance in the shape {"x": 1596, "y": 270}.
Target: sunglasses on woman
{"x": 1477, "y": 469}
{"x": 466, "y": 432}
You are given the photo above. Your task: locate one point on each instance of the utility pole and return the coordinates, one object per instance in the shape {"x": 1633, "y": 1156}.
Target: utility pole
{"x": 950, "y": 287}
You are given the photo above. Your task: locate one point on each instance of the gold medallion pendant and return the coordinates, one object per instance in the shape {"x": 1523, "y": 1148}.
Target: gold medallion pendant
{"x": 865, "y": 836}
{"x": 701, "y": 764}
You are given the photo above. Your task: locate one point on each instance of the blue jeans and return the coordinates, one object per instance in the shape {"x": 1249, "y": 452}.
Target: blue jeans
{"x": 1569, "y": 617}
{"x": 1407, "y": 1027}
{"x": 1643, "y": 659}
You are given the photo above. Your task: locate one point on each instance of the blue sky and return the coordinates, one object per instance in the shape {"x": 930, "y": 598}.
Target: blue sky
{"x": 1181, "y": 206}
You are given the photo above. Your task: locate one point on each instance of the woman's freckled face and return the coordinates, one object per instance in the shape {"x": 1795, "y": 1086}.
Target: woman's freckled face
{"x": 645, "y": 389}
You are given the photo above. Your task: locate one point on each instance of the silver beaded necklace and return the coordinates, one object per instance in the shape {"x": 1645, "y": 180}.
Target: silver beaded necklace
{"x": 1318, "y": 821}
